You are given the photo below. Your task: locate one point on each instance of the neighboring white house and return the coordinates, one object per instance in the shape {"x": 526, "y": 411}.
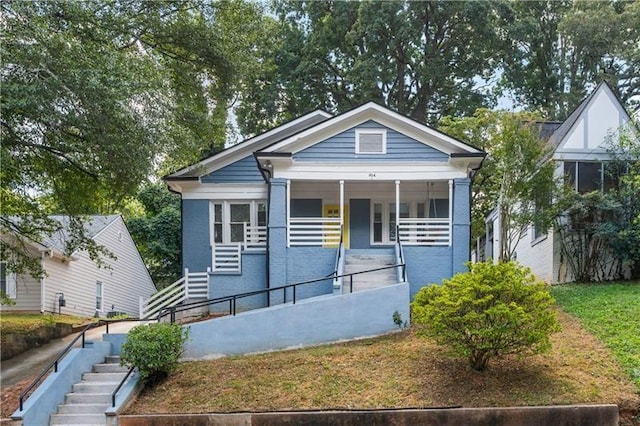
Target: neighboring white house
{"x": 579, "y": 151}
{"x": 85, "y": 288}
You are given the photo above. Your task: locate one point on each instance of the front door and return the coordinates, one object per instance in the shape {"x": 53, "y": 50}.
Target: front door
{"x": 332, "y": 210}
{"x": 360, "y": 223}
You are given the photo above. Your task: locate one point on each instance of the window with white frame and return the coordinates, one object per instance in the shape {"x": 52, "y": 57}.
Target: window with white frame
{"x": 229, "y": 219}
{"x": 371, "y": 141}
{"x": 99, "y": 295}
{"x": 7, "y": 281}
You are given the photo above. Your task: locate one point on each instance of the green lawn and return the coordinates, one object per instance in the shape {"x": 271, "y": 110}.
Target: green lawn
{"x": 26, "y": 323}
{"x": 611, "y": 311}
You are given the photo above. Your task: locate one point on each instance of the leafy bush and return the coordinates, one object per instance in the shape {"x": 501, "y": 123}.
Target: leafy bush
{"x": 488, "y": 312}
{"x": 154, "y": 349}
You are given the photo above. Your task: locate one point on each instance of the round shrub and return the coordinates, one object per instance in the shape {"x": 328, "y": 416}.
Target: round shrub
{"x": 154, "y": 349}
{"x": 491, "y": 311}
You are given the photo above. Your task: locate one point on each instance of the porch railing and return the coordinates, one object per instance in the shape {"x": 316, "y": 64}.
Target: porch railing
{"x": 424, "y": 232}
{"x": 314, "y": 231}
{"x": 193, "y": 285}
{"x": 255, "y": 236}
{"x": 227, "y": 257}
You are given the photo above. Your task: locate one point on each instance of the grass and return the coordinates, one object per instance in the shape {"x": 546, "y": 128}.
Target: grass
{"x": 394, "y": 371}
{"x": 11, "y": 323}
{"x": 611, "y": 311}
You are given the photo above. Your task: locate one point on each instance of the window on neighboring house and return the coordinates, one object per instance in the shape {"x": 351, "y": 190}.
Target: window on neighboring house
{"x": 371, "y": 141}
{"x": 7, "y": 281}
{"x": 229, "y": 219}
{"x": 99, "y": 295}
{"x": 587, "y": 176}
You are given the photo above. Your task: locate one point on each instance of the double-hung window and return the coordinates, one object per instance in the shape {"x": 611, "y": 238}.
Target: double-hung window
{"x": 230, "y": 219}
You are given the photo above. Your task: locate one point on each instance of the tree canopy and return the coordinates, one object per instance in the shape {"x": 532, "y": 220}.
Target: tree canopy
{"x": 98, "y": 97}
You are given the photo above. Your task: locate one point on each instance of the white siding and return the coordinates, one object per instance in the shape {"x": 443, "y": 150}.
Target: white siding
{"x": 124, "y": 282}
{"x": 27, "y": 295}
{"x": 537, "y": 254}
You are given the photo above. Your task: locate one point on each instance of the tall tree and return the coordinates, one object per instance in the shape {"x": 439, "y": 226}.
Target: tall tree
{"x": 96, "y": 96}
{"x": 514, "y": 178}
{"x": 157, "y": 233}
{"x": 422, "y": 59}
{"x": 560, "y": 49}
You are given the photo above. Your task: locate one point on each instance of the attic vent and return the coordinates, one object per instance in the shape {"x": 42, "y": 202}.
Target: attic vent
{"x": 371, "y": 141}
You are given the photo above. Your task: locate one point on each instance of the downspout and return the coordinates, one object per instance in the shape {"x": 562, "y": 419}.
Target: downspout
{"x": 266, "y": 175}
{"x": 472, "y": 174}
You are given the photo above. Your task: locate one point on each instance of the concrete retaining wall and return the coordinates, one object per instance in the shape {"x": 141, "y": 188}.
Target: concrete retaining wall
{"x": 585, "y": 415}
{"x": 312, "y": 321}
{"x": 14, "y": 344}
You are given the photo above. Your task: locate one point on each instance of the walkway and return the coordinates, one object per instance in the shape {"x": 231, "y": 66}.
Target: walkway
{"x": 34, "y": 360}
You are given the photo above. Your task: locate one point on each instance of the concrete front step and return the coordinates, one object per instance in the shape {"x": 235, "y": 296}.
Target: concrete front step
{"x": 103, "y": 377}
{"x": 110, "y": 368}
{"x": 88, "y": 398}
{"x": 112, "y": 359}
{"x": 83, "y": 408}
{"x": 94, "y": 387}
{"x": 369, "y": 260}
{"x": 78, "y": 419}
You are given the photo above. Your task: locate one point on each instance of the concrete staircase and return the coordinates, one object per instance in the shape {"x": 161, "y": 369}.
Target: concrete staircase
{"x": 89, "y": 398}
{"x": 362, "y": 260}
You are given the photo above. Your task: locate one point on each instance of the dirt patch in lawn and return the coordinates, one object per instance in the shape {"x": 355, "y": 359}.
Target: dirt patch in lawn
{"x": 395, "y": 371}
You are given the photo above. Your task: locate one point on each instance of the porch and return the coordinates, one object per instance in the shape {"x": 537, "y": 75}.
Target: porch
{"x": 368, "y": 215}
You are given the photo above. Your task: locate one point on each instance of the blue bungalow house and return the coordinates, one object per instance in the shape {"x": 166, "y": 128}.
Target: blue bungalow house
{"x": 322, "y": 196}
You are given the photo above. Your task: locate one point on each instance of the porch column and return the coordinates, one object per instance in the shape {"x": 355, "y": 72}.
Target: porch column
{"x": 397, "y": 208}
{"x": 341, "y": 203}
{"x": 461, "y": 233}
{"x": 277, "y": 244}
{"x": 288, "y": 212}
{"x": 450, "y": 211}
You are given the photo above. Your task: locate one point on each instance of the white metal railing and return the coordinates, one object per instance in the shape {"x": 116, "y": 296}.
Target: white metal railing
{"x": 192, "y": 285}
{"x": 314, "y": 231}
{"x": 425, "y": 232}
{"x": 227, "y": 257}
{"x": 255, "y": 236}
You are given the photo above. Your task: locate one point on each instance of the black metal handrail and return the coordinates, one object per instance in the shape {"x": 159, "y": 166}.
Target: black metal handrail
{"x": 113, "y": 395}
{"x": 232, "y": 300}
{"x": 335, "y": 269}
{"x": 401, "y": 252}
{"x": 54, "y": 363}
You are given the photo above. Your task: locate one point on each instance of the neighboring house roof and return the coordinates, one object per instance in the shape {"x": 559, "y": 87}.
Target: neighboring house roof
{"x": 559, "y": 135}
{"x": 57, "y": 240}
{"x": 92, "y": 226}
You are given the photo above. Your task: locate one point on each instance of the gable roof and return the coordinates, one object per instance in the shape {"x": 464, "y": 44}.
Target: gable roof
{"x": 247, "y": 147}
{"x": 559, "y": 135}
{"x": 382, "y": 115}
